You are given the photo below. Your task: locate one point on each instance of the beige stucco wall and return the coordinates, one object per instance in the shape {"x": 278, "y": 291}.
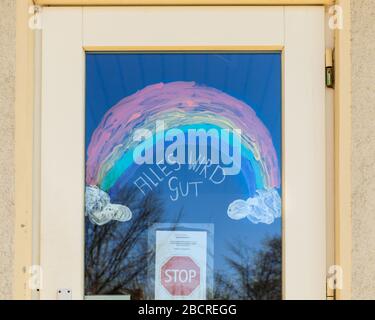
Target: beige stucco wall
{"x": 363, "y": 148}
{"x": 7, "y": 90}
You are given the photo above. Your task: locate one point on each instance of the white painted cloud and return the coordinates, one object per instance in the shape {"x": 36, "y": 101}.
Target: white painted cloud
{"x": 264, "y": 207}
{"x": 238, "y": 209}
{"x": 100, "y": 210}
{"x": 96, "y": 199}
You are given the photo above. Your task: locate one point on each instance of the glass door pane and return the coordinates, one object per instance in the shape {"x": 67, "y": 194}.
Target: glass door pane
{"x": 183, "y": 175}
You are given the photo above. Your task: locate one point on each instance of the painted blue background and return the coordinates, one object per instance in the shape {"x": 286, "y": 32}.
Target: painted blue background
{"x": 254, "y": 78}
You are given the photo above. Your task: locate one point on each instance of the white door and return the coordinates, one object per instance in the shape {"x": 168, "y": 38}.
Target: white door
{"x": 284, "y": 142}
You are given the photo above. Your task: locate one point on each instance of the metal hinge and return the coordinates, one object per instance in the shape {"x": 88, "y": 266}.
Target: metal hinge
{"x": 330, "y": 68}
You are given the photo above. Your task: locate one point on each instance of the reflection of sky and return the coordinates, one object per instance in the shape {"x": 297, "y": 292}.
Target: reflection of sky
{"x": 254, "y": 78}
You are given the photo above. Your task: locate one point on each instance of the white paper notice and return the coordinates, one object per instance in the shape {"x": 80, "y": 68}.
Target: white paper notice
{"x": 181, "y": 265}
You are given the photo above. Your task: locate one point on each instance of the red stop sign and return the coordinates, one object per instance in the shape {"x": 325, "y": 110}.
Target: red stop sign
{"x": 180, "y": 275}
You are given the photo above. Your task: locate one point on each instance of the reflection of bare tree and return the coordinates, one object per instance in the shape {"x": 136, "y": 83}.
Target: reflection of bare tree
{"x": 256, "y": 275}
{"x": 117, "y": 254}
{"x": 120, "y": 260}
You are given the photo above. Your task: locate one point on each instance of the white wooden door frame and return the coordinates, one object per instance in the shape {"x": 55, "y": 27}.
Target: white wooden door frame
{"x": 67, "y": 32}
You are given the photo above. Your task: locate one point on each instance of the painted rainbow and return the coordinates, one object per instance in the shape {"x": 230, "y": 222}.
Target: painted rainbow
{"x": 180, "y": 105}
